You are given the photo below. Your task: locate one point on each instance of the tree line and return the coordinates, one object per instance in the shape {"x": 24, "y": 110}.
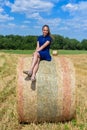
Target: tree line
{"x": 17, "y": 42}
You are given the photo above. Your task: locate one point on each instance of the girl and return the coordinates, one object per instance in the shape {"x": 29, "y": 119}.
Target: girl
{"x": 42, "y": 52}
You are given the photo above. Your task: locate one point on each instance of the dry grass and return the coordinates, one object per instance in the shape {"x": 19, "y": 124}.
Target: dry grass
{"x": 8, "y": 114}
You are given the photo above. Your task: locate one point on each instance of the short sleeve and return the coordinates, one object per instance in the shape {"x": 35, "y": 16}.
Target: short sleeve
{"x": 49, "y": 39}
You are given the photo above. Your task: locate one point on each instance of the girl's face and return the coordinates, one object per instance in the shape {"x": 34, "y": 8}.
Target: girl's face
{"x": 45, "y": 31}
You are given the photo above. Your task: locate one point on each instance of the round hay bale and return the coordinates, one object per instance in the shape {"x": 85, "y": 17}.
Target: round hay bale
{"x": 52, "y": 97}
{"x": 54, "y": 52}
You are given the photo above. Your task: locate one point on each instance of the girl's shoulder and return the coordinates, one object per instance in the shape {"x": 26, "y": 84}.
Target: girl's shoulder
{"x": 39, "y": 37}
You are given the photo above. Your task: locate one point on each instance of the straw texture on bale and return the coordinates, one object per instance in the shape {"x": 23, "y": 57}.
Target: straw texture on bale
{"x": 52, "y": 97}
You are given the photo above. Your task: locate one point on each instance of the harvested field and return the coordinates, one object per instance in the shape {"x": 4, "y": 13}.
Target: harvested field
{"x": 8, "y": 81}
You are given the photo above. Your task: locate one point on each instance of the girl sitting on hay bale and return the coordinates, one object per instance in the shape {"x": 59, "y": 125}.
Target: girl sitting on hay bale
{"x": 42, "y": 52}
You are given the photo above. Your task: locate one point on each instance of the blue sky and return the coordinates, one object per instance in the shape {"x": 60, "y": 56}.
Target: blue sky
{"x": 26, "y": 17}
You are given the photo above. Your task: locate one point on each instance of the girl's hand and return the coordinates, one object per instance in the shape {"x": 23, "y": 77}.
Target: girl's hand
{"x": 38, "y": 49}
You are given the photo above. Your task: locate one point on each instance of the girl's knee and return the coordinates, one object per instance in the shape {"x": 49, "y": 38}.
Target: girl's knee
{"x": 36, "y": 54}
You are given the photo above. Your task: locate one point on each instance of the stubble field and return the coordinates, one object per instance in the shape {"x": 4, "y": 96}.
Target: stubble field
{"x": 8, "y": 83}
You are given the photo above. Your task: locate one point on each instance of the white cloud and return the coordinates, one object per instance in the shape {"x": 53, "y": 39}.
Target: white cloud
{"x": 78, "y": 21}
{"x": 5, "y": 17}
{"x": 34, "y": 15}
{"x": 32, "y": 8}
{"x": 11, "y": 25}
{"x": 70, "y": 7}
{"x": 80, "y": 8}
{"x": 1, "y": 10}
{"x": 51, "y": 22}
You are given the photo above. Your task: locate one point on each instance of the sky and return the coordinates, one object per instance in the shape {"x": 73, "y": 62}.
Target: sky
{"x": 26, "y": 17}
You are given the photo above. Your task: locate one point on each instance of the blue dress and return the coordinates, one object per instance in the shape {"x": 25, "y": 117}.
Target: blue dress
{"x": 45, "y": 53}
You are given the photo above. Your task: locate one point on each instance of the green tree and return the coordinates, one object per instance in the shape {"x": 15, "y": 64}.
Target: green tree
{"x": 84, "y": 44}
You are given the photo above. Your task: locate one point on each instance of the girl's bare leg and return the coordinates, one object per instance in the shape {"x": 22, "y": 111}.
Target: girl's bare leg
{"x": 35, "y": 68}
{"x": 35, "y": 60}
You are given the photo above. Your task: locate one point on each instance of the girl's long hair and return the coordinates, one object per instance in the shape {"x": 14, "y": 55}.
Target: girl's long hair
{"x": 49, "y": 33}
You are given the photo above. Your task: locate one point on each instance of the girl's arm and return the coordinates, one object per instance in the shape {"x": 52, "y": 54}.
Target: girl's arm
{"x": 43, "y": 46}
{"x": 37, "y": 46}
